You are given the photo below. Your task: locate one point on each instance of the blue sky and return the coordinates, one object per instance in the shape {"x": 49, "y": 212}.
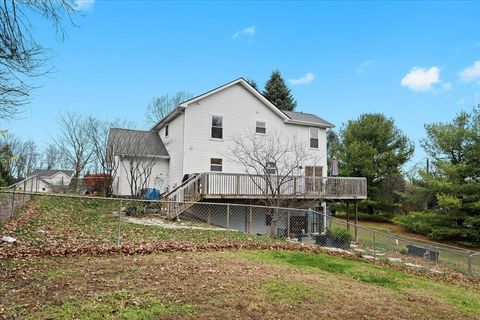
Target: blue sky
{"x": 414, "y": 62}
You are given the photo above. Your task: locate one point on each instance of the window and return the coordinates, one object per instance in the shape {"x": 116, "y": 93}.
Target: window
{"x": 314, "y": 138}
{"x": 271, "y": 168}
{"x": 166, "y": 131}
{"x": 261, "y": 127}
{"x": 217, "y": 127}
{"x": 215, "y": 164}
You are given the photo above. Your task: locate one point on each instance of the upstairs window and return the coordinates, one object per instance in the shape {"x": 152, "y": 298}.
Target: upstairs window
{"x": 217, "y": 127}
{"x": 314, "y": 138}
{"x": 166, "y": 131}
{"x": 216, "y": 164}
{"x": 260, "y": 127}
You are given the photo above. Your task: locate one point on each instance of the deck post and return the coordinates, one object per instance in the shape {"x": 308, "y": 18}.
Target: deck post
{"x": 288, "y": 225}
{"x": 324, "y": 214}
{"x": 228, "y": 216}
{"x": 250, "y": 218}
{"x": 347, "y": 213}
{"x": 356, "y": 220}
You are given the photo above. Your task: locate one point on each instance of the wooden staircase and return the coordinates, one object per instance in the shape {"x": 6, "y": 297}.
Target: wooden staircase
{"x": 183, "y": 197}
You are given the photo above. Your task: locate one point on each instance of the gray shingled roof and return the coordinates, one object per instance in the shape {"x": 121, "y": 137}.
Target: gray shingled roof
{"x": 49, "y": 173}
{"x": 136, "y": 142}
{"x": 307, "y": 117}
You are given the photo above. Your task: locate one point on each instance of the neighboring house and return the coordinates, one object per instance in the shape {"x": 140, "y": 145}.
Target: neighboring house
{"x": 196, "y": 139}
{"x": 46, "y": 181}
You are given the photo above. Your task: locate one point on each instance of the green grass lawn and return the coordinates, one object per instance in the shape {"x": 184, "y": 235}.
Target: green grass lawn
{"x": 64, "y": 221}
{"x": 207, "y": 285}
{"x": 225, "y": 285}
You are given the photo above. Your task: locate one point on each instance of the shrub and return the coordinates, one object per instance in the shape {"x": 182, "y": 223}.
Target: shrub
{"x": 457, "y": 226}
{"x": 340, "y": 234}
{"x": 136, "y": 210}
{"x": 97, "y": 183}
{"x": 376, "y": 217}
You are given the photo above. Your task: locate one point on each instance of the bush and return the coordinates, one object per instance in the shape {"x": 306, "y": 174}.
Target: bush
{"x": 457, "y": 226}
{"x": 376, "y": 217}
{"x": 340, "y": 234}
{"x": 136, "y": 210}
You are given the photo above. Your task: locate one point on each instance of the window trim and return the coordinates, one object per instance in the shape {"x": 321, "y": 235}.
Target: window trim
{"x": 216, "y": 165}
{"x": 311, "y": 138}
{"x": 211, "y": 126}
{"x": 264, "y": 127}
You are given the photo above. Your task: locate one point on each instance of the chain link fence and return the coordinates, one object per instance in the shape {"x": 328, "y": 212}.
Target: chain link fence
{"x": 11, "y": 202}
{"x": 95, "y": 220}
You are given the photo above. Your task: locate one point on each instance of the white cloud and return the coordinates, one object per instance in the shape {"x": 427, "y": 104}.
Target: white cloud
{"x": 247, "y": 31}
{"x": 365, "y": 65}
{"x": 306, "y": 79}
{"x": 471, "y": 73}
{"x": 447, "y": 86}
{"x": 419, "y": 79}
{"x": 84, "y": 5}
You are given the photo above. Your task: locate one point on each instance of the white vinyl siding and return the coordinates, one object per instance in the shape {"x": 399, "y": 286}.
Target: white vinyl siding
{"x": 239, "y": 110}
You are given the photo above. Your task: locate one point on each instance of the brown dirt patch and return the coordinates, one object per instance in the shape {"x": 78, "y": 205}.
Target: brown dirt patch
{"x": 218, "y": 284}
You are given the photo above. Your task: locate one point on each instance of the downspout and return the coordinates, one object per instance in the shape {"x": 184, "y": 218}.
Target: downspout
{"x": 183, "y": 138}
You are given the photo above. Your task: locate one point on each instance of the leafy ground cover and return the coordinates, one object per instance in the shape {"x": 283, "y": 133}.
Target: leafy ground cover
{"x": 224, "y": 285}
{"x": 54, "y": 222}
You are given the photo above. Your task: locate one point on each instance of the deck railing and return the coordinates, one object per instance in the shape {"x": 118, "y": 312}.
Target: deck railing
{"x": 217, "y": 185}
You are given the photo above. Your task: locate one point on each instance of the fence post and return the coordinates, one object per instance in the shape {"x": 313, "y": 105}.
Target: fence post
{"x": 470, "y": 254}
{"x": 228, "y": 217}
{"x": 374, "y": 246}
{"x": 209, "y": 219}
{"x": 119, "y": 221}
{"x": 388, "y": 240}
{"x": 13, "y": 201}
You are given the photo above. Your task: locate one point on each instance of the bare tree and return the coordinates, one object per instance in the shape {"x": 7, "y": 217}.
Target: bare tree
{"x": 161, "y": 106}
{"x": 28, "y": 159}
{"x": 73, "y": 144}
{"x": 51, "y": 157}
{"x": 21, "y": 56}
{"x": 103, "y": 148}
{"x": 273, "y": 164}
{"x": 136, "y": 153}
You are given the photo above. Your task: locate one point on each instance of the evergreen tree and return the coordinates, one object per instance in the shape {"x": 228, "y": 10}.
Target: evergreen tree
{"x": 253, "y": 83}
{"x": 453, "y": 181}
{"x": 372, "y": 146}
{"x": 277, "y": 92}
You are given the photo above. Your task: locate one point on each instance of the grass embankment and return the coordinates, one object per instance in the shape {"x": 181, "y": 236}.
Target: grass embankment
{"x": 224, "y": 285}
{"x": 56, "y": 222}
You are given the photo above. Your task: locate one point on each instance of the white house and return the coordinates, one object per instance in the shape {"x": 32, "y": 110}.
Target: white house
{"x": 197, "y": 138}
{"x": 46, "y": 181}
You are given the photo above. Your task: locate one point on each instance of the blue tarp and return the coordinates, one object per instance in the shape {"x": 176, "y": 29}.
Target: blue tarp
{"x": 152, "y": 194}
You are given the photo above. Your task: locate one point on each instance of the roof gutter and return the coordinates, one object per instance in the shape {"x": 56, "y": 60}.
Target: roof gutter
{"x": 169, "y": 117}
{"x": 310, "y": 124}
{"x": 122, "y": 155}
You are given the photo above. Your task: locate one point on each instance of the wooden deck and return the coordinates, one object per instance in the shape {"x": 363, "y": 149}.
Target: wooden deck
{"x": 244, "y": 186}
